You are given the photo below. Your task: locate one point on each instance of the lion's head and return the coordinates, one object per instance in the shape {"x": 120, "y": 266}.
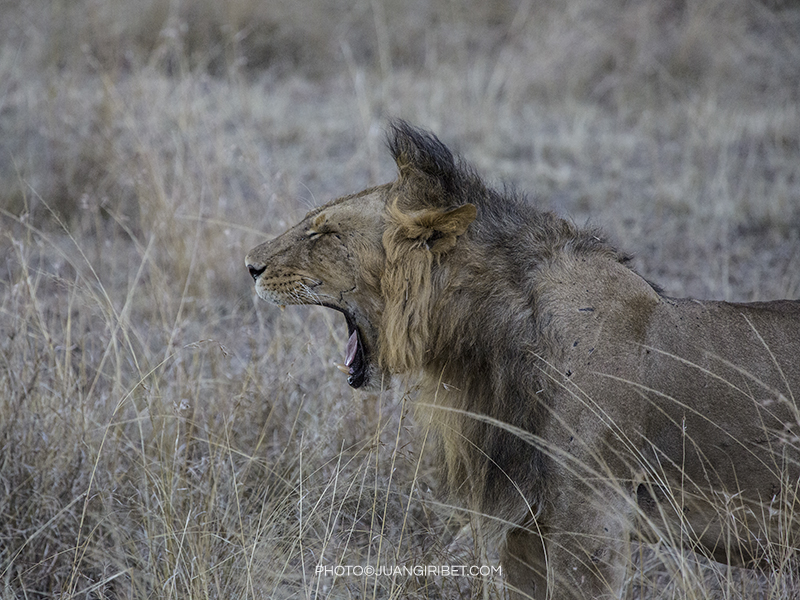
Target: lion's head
{"x": 366, "y": 255}
{"x": 332, "y": 258}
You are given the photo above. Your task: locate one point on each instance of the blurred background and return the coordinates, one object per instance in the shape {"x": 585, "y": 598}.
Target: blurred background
{"x": 164, "y": 434}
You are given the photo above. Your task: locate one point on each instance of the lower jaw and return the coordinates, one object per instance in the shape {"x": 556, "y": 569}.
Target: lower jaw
{"x": 357, "y": 380}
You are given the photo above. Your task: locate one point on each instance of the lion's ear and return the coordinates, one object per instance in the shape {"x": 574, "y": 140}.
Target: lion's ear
{"x": 420, "y": 154}
{"x": 436, "y": 229}
{"x": 428, "y": 173}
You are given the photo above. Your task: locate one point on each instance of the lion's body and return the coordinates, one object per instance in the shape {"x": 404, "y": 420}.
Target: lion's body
{"x": 575, "y": 405}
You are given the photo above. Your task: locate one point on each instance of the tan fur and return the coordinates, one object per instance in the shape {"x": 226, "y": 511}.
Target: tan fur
{"x": 406, "y": 281}
{"x": 576, "y": 406}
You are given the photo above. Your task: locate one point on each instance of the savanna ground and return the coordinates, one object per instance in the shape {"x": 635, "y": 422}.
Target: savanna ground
{"x": 165, "y": 435}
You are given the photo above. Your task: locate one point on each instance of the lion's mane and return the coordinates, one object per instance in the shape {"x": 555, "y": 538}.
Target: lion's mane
{"x": 471, "y": 323}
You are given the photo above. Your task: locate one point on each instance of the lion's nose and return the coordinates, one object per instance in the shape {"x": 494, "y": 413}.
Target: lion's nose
{"x": 255, "y": 272}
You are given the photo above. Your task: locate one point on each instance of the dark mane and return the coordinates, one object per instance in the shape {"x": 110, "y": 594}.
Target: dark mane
{"x": 491, "y": 352}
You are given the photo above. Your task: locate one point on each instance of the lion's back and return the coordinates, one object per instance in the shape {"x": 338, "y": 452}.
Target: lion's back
{"x": 711, "y": 385}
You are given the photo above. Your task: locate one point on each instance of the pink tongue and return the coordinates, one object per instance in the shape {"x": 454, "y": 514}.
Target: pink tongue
{"x": 352, "y": 346}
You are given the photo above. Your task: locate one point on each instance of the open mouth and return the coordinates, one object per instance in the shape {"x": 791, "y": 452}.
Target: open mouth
{"x": 355, "y": 361}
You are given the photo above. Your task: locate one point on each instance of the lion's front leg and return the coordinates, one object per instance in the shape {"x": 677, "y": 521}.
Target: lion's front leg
{"x": 582, "y": 552}
{"x": 524, "y": 565}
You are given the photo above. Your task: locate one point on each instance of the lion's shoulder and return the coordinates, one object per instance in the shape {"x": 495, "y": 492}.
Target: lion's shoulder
{"x": 594, "y": 294}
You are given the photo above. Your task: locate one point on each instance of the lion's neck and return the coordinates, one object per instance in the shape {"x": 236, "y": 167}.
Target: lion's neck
{"x": 482, "y": 392}
{"x": 485, "y": 366}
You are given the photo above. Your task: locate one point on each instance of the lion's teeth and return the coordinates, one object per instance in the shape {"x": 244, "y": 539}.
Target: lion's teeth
{"x": 352, "y": 346}
{"x": 343, "y": 368}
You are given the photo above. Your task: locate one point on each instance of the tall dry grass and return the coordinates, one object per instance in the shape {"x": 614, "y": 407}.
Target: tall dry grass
{"x": 163, "y": 435}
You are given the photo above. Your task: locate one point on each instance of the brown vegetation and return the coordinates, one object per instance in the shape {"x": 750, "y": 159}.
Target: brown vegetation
{"x": 163, "y": 435}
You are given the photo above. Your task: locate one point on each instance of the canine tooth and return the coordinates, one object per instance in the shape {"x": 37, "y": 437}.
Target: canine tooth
{"x": 343, "y": 368}
{"x": 352, "y": 346}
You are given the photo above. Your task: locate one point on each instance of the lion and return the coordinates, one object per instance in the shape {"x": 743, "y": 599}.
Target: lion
{"x": 577, "y": 406}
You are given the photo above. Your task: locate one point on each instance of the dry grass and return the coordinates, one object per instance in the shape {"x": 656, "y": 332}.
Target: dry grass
{"x": 161, "y": 433}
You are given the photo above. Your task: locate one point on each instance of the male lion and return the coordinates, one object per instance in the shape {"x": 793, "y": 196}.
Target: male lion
{"x": 576, "y": 405}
